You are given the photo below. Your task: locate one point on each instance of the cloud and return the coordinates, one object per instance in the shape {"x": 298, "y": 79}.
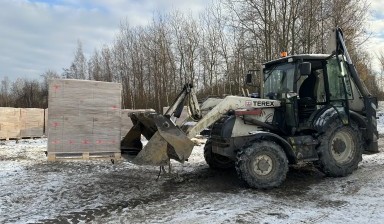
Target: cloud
{"x": 37, "y": 35}
{"x": 377, "y": 8}
{"x": 375, "y": 25}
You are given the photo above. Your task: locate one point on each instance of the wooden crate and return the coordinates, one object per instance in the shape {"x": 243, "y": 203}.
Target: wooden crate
{"x": 46, "y": 122}
{"x": 9, "y": 123}
{"x": 31, "y": 122}
{"x": 83, "y": 117}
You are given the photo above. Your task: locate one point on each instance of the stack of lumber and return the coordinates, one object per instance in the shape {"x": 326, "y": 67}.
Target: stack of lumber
{"x": 84, "y": 117}
{"x": 45, "y": 121}
{"x": 9, "y": 123}
{"x": 31, "y": 122}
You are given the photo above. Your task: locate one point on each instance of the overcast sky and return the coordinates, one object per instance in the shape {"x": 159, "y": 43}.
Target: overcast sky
{"x": 37, "y": 35}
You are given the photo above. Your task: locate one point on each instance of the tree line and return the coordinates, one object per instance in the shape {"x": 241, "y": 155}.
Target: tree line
{"x": 213, "y": 51}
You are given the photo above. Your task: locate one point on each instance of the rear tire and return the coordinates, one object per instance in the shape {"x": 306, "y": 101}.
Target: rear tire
{"x": 214, "y": 160}
{"x": 262, "y": 164}
{"x": 340, "y": 149}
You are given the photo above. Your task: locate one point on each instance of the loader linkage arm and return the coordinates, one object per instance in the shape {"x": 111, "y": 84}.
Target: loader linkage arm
{"x": 165, "y": 139}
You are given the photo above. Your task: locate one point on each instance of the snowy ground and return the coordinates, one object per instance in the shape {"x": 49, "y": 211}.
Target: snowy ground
{"x": 33, "y": 190}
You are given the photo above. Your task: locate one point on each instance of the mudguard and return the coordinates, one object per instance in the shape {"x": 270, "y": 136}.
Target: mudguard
{"x": 279, "y": 140}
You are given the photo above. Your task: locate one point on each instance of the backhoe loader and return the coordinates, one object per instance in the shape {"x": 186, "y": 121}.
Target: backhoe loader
{"x": 313, "y": 108}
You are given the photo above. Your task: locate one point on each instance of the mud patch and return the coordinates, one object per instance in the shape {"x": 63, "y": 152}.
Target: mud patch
{"x": 205, "y": 180}
{"x": 299, "y": 181}
{"x": 36, "y": 191}
{"x": 89, "y": 215}
{"x": 279, "y": 215}
{"x": 332, "y": 203}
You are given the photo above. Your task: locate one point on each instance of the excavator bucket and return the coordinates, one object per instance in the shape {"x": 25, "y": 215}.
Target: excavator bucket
{"x": 165, "y": 140}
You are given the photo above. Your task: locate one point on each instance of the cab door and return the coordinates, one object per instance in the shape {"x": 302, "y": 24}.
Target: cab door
{"x": 339, "y": 85}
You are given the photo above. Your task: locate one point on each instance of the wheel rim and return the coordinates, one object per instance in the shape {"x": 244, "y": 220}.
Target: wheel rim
{"x": 343, "y": 147}
{"x": 262, "y": 165}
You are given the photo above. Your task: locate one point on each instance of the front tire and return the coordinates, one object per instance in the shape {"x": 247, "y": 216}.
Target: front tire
{"x": 216, "y": 161}
{"x": 340, "y": 149}
{"x": 262, "y": 164}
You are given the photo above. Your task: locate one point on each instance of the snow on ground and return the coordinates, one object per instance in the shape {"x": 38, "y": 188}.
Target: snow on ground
{"x": 33, "y": 190}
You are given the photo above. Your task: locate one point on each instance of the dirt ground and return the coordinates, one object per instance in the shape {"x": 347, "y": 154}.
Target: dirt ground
{"x": 36, "y": 191}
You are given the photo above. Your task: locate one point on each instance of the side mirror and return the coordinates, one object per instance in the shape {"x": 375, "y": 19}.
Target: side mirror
{"x": 248, "y": 79}
{"x": 305, "y": 68}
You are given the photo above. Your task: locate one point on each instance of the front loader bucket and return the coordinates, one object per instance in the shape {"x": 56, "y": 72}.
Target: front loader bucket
{"x": 165, "y": 140}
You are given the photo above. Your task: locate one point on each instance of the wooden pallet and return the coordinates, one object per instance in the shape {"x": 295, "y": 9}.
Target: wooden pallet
{"x": 32, "y": 137}
{"x": 7, "y": 139}
{"x": 52, "y": 156}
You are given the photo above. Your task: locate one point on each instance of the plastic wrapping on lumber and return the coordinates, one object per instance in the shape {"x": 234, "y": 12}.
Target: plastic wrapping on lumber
{"x": 83, "y": 116}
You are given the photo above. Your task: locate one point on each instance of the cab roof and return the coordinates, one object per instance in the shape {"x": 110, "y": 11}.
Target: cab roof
{"x": 304, "y": 57}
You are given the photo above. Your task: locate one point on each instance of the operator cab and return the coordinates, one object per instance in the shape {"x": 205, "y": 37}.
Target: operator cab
{"x": 305, "y": 84}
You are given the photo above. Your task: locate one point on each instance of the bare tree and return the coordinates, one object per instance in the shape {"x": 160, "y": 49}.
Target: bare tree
{"x": 26, "y": 93}
{"x": 46, "y": 76}
{"x": 380, "y": 57}
{"x": 5, "y": 99}
{"x": 215, "y": 51}
{"x": 78, "y": 68}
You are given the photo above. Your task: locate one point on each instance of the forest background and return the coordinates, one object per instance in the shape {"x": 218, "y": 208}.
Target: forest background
{"x": 213, "y": 51}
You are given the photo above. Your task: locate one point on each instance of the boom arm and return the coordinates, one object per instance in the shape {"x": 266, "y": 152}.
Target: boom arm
{"x": 177, "y": 106}
{"x": 340, "y": 48}
{"x": 370, "y": 102}
{"x": 229, "y": 103}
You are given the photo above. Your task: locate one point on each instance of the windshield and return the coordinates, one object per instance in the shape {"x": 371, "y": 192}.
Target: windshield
{"x": 278, "y": 79}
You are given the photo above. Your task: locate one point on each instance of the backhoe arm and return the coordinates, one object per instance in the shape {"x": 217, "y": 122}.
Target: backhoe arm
{"x": 177, "y": 106}
{"x": 337, "y": 46}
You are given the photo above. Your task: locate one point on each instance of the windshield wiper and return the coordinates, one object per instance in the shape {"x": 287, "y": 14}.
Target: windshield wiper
{"x": 269, "y": 73}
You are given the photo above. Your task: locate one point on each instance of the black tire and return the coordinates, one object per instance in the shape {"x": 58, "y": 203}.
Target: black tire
{"x": 259, "y": 157}
{"x": 340, "y": 149}
{"x": 216, "y": 161}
